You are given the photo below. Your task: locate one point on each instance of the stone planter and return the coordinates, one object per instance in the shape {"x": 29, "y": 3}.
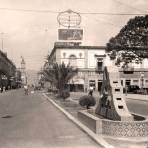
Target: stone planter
{"x": 114, "y": 128}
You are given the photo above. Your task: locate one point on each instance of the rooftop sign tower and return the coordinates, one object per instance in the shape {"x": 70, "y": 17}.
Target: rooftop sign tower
{"x": 69, "y": 27}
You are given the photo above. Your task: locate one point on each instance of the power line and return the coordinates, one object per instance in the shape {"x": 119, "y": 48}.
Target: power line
{"x": 118, "y": 14}
{"x": 56, "y": 12}
{"x": 105, "y": 21}
{"x": 131, "y": 7}
{"x": 29, "y": 10}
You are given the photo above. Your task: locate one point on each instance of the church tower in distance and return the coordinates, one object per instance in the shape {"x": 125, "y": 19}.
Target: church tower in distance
{"x": 23, "y": 71}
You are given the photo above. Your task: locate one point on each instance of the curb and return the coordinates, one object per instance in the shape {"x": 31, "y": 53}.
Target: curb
{"x": 98, "y": 139}
{"x": 136, "y": 140}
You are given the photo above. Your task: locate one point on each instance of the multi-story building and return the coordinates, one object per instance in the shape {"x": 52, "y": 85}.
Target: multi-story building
{"x": 7, "y": 70}
{"x": 135, "y": 76}
{"x": 88, "y": 59}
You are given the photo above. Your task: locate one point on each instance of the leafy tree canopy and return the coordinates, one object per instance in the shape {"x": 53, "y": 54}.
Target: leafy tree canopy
{"x": 131, "y": 43}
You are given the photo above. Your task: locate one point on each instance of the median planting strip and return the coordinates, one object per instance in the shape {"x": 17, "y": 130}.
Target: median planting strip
{"x": 98, "y": 139}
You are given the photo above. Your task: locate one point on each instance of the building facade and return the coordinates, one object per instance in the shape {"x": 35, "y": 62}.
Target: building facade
{"x": 7, "y": 71}
{"x": 89, "y": 60}
{"x": 136, "y": 77}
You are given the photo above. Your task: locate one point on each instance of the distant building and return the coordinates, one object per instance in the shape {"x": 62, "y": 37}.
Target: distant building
{"x": 134, "y": 76}
{"x": 32, "y": 77}
{"x": 7, "y": 70}
{"x": 18, "y": 78}
{"x": 23, "y": 71}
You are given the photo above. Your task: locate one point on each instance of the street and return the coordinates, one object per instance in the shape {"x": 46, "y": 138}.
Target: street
{"x": 138, "y": 106}
{"x": 30, "y": 121}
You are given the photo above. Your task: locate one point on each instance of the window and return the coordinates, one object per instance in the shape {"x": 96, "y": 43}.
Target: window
{"x": 146, "y": 81}
{"x": 99, "y": 64}
{"x": 128, "y": 82}
{"x": 80, "y": 54}
{"x": 135, "y": 81}
{"x": 64, "y": 55}
{"x": 122, "y": 82}
{"x": 73, "y": 60}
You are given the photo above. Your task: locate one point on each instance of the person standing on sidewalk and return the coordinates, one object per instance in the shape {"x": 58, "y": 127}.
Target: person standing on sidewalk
{"x": 91, "y": 89}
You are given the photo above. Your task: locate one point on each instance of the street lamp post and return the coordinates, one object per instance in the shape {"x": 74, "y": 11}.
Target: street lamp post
{"x": 142, "y": 81}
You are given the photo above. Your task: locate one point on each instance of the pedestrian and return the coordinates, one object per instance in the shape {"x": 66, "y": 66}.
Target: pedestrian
{"x": 4, "y": 89}
{"x": 26, "y": 89}
{"x": 91, "y": 88}
{"x": 1, "y": 89}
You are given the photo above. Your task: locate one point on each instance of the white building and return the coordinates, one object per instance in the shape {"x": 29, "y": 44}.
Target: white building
{"x": 88, "y": 59}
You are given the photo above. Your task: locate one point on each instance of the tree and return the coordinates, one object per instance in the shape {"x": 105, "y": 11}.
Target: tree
{"x": 59, "y": 75}
{"x": 131, "y": 43}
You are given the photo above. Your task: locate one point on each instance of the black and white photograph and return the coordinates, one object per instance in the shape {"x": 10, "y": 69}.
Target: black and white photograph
{"x": 73, "y": 74}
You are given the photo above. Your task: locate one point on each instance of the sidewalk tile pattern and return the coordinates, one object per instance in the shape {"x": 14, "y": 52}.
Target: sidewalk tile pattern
{"x": 125, "y": 129}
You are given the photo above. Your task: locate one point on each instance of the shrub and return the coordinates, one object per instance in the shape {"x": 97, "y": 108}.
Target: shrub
{"x": 65, "y": 94}
{"x": 49, "y": 90}
{"x": 87, "y": 101}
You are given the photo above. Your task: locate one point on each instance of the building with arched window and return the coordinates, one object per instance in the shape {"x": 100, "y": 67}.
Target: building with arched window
{"x": 88, "y": 59}
{"x": 73, "y": 60}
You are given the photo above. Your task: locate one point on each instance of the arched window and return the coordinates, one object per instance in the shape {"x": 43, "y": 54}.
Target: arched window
{"x": 73, "y": 60}
{"x": 64, "y": 55}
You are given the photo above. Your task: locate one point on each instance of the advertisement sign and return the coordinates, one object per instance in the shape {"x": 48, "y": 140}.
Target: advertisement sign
{"x": 70, "y": 34}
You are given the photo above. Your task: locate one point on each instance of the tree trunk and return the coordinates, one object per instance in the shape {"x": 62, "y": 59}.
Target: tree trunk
{"x": 87, "y": 107}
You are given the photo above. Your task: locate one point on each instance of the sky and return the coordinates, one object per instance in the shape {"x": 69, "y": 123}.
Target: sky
{"x": 32, "y": 34}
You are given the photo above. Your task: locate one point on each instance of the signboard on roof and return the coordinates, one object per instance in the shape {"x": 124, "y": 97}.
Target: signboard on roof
{"x": 70, "y": 34}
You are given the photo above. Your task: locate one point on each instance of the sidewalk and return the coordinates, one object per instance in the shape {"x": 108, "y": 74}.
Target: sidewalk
{"x": 137, "y": 97}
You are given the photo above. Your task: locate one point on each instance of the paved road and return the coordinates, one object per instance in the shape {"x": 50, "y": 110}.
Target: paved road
{"x": 138, "y": 106}
{"x": 35, "y": 123}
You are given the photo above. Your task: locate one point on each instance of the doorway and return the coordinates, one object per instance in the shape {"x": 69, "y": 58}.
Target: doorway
{"x": 127, "y": 82}
{"x": 99, "y": 85}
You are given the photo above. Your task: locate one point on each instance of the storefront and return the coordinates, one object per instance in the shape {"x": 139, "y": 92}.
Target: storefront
{"x": 76, "y": 84}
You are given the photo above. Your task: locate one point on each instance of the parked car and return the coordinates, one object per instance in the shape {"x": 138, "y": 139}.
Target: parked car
{"x": 133, "y": 89}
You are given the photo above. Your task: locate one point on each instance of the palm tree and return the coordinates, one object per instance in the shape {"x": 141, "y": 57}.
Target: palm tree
{"x": 58, "y": 75}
